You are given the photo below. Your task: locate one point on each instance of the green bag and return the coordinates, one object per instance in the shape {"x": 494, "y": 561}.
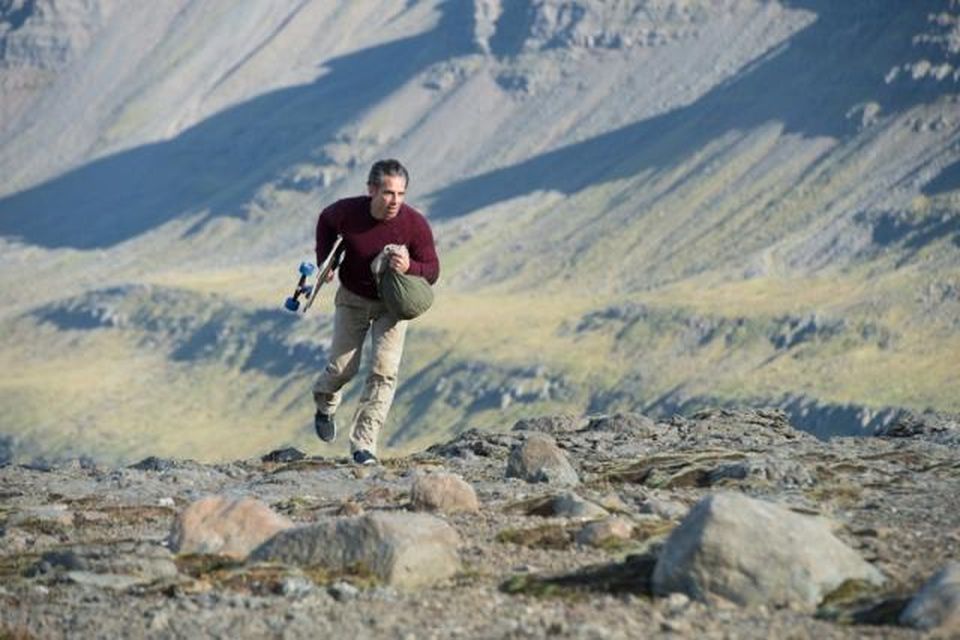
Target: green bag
{"x": 406, "y": 296}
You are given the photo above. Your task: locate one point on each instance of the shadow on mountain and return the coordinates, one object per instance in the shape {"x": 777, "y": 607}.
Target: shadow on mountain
{"x": 215, "y": 167}
{"x": 194, "y": 328}
{"x": 809, "y": 85}
{"x": 259, "y": 347}
{"x": 946, "y": 181}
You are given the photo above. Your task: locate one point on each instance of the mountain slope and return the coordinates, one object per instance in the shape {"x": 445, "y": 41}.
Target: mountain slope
{"x": 646, "y": 205}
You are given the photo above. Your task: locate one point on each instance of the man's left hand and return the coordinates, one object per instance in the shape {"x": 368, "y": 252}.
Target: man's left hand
{"x": 400, "y": 262}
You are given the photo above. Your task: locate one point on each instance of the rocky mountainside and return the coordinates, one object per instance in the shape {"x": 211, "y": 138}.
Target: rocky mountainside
{"x": 726, "y": 524}
{"x": 648, "y": 205}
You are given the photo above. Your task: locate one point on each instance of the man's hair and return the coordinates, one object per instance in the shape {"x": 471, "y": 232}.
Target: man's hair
{"x": 384, "y": 168}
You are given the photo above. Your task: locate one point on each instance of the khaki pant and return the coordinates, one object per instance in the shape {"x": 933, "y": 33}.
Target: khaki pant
{"x": 354, "y": 316}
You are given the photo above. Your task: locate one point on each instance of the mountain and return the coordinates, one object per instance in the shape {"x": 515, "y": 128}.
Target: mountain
{"x": 646, "y": 205}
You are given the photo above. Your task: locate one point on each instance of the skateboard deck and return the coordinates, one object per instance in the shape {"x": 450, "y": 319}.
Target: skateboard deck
{"x": 333, "y": 261}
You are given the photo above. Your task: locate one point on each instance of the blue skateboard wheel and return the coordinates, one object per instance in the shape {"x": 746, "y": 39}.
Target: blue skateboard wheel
{"x": 307, "y": 269}
{"x": 291, "y": 304}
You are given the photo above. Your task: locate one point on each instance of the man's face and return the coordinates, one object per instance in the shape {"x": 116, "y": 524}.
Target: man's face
{"x": 386, "y": 199}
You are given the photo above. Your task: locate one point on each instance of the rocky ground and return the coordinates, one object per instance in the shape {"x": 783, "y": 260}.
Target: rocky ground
{"x": 569, "y": 550}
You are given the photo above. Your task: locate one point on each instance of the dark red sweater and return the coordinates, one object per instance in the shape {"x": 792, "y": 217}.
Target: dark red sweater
{"x": 365, "y": 237}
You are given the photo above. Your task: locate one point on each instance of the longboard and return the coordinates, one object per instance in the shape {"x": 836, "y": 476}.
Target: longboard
{"x": 336, "y": 253}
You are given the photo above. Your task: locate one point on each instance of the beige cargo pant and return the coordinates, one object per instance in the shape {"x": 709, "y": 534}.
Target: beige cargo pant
{"x": 353, "y": 318}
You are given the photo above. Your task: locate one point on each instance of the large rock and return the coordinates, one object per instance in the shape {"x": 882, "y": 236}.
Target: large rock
{"x": 937, "y": 605}
{"x": 539, "y": 459}
{"x": 225, "y": 525}
{"x": 443, "y": 492}
{"x": 756, "y": 553}
{"x": 404, "y": 550}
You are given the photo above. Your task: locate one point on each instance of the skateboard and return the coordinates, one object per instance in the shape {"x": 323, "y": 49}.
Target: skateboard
{"x": 332, "y": 263}
{"x": 308, "y": 291}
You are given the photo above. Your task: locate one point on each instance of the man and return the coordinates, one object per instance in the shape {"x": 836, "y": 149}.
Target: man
{"x": 367, "y": 224}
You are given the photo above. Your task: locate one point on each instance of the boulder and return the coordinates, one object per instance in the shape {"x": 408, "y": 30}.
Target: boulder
{"x": 539, "y": 459}
{"x": 443, "y": 492}
{"x": 936, "y": 607}
{"x": 404, "y": 550}
{"x": 753, "y": 552}
{"x": 225, "y": 525}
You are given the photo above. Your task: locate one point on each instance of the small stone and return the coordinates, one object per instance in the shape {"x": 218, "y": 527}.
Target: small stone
{"x": 443, "y": 492}
{"x": 603, "y": 532}
{"x": 343, "y": 591}
{"x": 613, "y": 503}
{"x": 103, "y": 580}
{"x": 676, "y": 603}
{"x": 349, "y": 508}
{"x": 158, "y": 620}
{"x": 287, "y": 454}
{"x": 296, "y": 586}
{"x": 571, "y": 505}
{"x": 681, "y": 626}
{"x": 666, "y": 509}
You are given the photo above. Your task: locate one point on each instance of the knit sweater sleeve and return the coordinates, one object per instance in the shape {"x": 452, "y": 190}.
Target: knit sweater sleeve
{"x": 327, "y": 230}
{"x": 423, "y": 253}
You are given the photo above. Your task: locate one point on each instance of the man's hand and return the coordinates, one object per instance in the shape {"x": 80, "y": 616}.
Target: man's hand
{"x": 330, "y": 275}
{"x": 399, "y": 262}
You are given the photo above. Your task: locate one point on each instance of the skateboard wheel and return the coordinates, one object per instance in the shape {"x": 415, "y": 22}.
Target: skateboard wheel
{"x": 291, "y": 304}
{"x": 307, "y": 268}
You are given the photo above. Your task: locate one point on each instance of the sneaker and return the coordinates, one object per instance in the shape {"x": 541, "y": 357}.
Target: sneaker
{"x": 364, "y": 457}
{"x": 325, "y": 426}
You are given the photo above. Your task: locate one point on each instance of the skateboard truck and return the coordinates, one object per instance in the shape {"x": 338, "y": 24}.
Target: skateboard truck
{"x": 303, "y": 289}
